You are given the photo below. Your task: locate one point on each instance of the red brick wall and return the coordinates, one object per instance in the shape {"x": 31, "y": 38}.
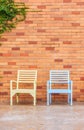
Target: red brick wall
{"x": 50, "y": 39}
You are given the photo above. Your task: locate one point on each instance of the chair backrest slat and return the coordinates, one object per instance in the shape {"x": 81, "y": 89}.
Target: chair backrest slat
{"x": 59, "y": 76}
{"x": 27, "y": 76}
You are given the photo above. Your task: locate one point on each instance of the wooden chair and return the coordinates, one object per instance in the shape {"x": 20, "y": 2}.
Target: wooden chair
{"x": 24, "y": 76}
{"x": 59, "y": 77}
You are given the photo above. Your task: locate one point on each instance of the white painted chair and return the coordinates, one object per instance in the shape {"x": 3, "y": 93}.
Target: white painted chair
{"x": 24, "y": 76}
{"x": 59, "y": 77}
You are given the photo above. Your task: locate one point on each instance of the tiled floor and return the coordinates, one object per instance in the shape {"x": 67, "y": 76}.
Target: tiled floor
{"x": 42, "y": 117}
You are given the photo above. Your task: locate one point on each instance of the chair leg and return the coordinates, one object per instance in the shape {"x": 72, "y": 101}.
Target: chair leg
{"x": 68, "y": 97}
{"x": 34, "y": 99}
{"x": 17, "y": 99}
{"x": 50, "y": 96}
{"x": 34, "y": 102}
{"x": 71, "y": 100}
{"x": 48, "y": 99}
{"x": 11, "y": 100}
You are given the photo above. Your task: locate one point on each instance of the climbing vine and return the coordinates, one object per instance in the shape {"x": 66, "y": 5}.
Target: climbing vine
{"x": 10, "y": 14}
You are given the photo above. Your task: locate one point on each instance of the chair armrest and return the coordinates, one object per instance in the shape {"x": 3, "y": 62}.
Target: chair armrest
{"x": 11, "y": 83}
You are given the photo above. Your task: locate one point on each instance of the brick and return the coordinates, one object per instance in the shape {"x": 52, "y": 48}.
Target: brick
{"x": 32, "y": 42}
{"x": 39, "y": 99}
{"x": 54, "y": 39}
{"x": 41, "y": 30}
{"x": 67, "y": 66}
{"x": 1, "y": 84}
{"x": 58, "y": 60}
{"x": 1, "y": 54}
{"x": 41, "y": 7}
{"x": 76, "y": 12}
{"x": 39, "y": 87}
{"x": 16, "y": 48}
{"x": 82, "y": 78}
{"x": 75, "y": 24}
{"x": 82, "y": 90}
{"x": 50, "y": 48}
{"x": 25, "y": 1}
{"x": 67, "y": 1}
{"x": 67, "y": 42}
{"x": 3, "y": 39}
{"x": 24, "y": 54}
{"x": 3, "y": 93}
{"x": 7, "y": 54}
{"x": 7, "y": 72}
{"x": 80, "y": 3}
{"x": 20, "y": 33}
{"x": 28, "y": 22}
{"x": 58, "y": 18}
{"x": 33, "y": 66}
{"x": 11, "y": 63}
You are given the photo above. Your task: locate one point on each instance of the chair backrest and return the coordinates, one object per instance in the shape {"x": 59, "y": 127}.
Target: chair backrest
{"x": 27, "y": 76}
{"x": 59, "y": 76}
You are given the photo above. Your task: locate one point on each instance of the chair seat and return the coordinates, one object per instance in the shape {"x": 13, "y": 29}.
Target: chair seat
{"x": 17, "y": 91}
{"x": 59, "y": 91}
{"x": 23, "y": 90}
